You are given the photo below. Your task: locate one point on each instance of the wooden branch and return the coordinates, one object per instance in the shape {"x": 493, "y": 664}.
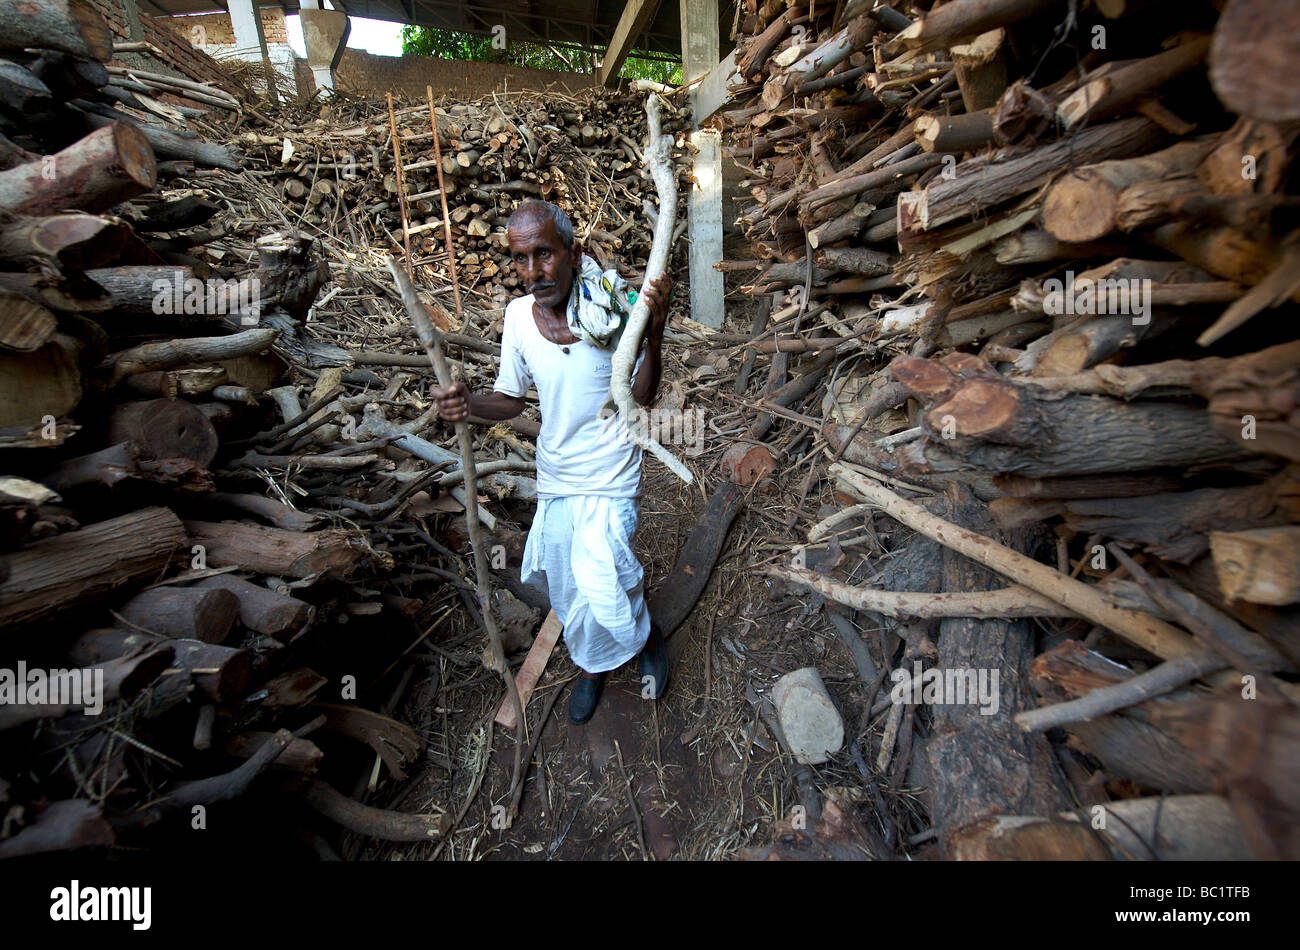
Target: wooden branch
{"x": 120, "y": 678}
{"x": 1109, "y": 94}
{"x": 169, "y": 353}
{"x": 1147, "y": 632}
{"x": 334, "y": 552}
{"x": 967, "y": 132}
{"x": 1157, "y": 681}
{"x": 263, "y": 610}
{"x": 372, "y": 822}
{"x": 61, "y": 826}
{"x": 902, "y": 605}
{"x": 659, "y": 161}
{"x": 961, "y": 19}
{"x": 432, "y": 342}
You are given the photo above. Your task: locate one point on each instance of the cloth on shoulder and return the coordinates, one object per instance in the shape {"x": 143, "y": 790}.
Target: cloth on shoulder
{"x": 599, "y": 305}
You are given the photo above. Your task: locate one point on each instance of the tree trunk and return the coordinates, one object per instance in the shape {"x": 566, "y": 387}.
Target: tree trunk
{"x": 974, "y": 777}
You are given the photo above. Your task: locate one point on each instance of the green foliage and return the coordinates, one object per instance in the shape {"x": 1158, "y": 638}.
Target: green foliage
{"x": 469, "y": 47}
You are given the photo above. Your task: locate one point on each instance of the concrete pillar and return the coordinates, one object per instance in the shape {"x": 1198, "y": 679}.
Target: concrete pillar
{"x": 325, "y": 34}
{"x": 700, "y": 48}
{"x": 250, "y": 42}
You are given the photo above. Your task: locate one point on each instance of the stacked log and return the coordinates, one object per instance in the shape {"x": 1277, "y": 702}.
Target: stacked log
{"x": 199, "y": 488}
{"x": 584, "y": 154}
{"x": 1047, "y": 270}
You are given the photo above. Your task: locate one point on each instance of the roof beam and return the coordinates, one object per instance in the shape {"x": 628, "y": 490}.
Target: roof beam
{"x": 636, "y": 16}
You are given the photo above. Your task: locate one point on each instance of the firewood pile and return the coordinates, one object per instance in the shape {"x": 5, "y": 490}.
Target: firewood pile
{"x": 222, "y": 471}
{"x": 1028, "y": 264}
{"x": 336, "y": 171}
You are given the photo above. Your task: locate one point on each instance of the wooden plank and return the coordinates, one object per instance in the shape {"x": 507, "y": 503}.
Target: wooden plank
{"x": 636, "y": 16}
{"x": 528, "y": 675}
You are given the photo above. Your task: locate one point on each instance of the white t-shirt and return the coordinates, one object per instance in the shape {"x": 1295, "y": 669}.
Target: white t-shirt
{"x": 578, "y": 452}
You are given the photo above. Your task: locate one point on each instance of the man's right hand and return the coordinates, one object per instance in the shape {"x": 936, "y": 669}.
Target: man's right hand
{"x": 453, "y": 402}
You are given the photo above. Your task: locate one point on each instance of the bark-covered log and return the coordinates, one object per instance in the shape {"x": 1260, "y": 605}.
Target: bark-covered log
{"x": 72, "y": 26}
{"x": 1008, "y": 429}
{"x": 164, "y": 142}
{"x": 263, "y": 610}
{"x": 82, "y": 567}
{"x": 1082, "y": 205}
{"x": 333, "y": 552}
{"x": 73, "y": 240}
{"x": 990, "y": 180}
{"x": 222, "y": 673}
{"x": 1111, "y": 89}
{"x": 183, "y": 612}
{"x": 165, "y": 429}
{"x": 103, "y": 169}
{"x": 1176, "y": 526}
{"x": 113, "y": 678}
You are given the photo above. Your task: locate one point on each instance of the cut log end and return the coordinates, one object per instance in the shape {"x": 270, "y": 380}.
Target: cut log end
{"x": 1076, "y": 210}
{"x": 980, "y": 407}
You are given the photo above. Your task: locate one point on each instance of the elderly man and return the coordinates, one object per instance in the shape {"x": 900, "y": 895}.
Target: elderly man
{"x": 560, "y": 338}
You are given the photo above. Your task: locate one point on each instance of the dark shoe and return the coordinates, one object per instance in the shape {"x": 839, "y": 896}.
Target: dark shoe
{"x": 653, "y": 665}
{"x": 583, "y": 698}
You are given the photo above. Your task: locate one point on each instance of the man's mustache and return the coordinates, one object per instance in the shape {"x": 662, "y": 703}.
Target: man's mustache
{"x": 534, "y": 288}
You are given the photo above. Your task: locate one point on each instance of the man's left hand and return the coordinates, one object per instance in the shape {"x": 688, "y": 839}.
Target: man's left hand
{"x": 657, "y": 299}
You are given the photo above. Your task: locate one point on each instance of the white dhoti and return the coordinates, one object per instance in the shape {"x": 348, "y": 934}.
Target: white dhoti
{"x": 580, "y": 551}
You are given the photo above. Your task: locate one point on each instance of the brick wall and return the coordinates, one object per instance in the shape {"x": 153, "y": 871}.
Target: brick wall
{"x": 408, "y": 76}
{"x": 213, "y": 33}
{"x": 218, "y": 31}
{"x": 178, "y": 54}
